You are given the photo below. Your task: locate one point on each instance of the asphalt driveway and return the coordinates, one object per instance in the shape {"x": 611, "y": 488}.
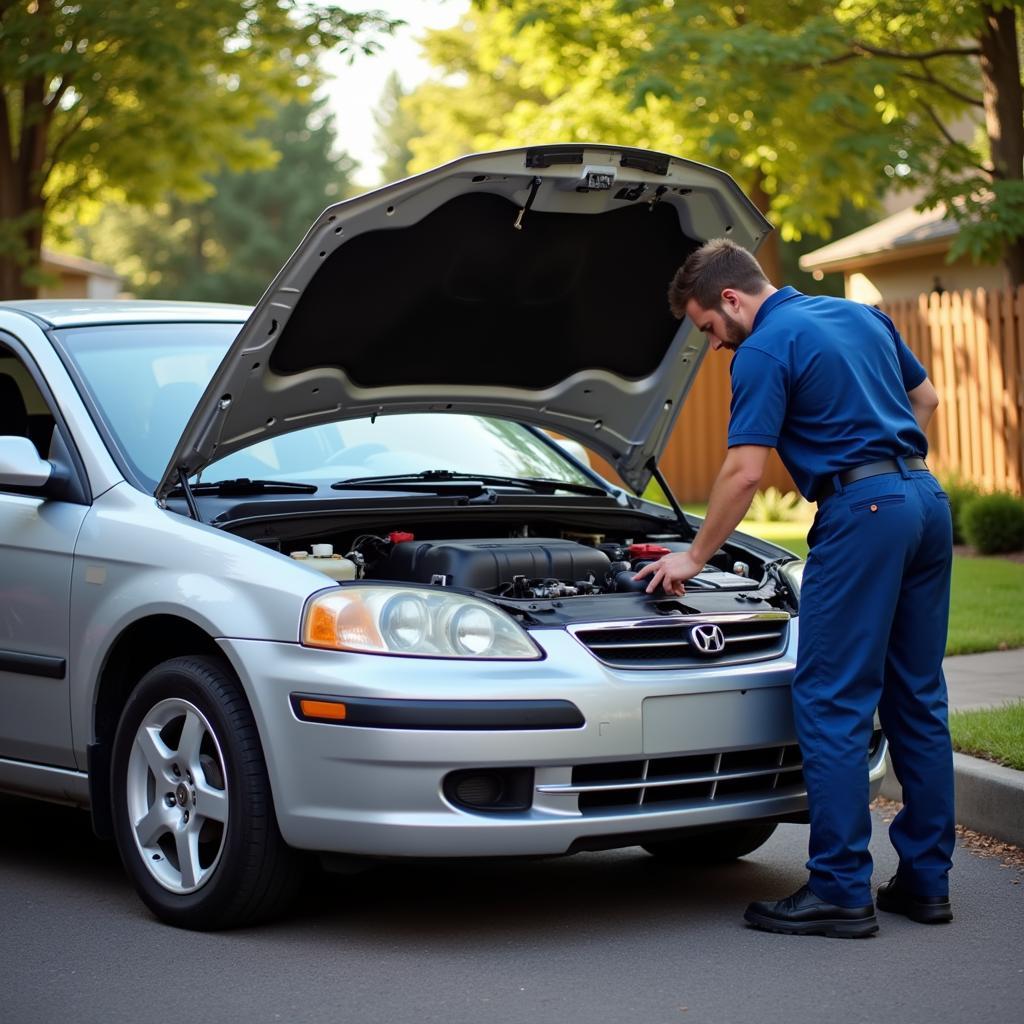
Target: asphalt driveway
{"x": 601, "y": 937}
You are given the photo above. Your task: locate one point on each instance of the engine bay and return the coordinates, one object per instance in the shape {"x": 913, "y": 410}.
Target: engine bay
{"x": 532, "y": 567}
{"x": 538, "y": 572}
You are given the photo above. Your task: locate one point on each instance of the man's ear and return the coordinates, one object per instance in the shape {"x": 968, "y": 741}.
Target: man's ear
{"x": 731, "y": 298}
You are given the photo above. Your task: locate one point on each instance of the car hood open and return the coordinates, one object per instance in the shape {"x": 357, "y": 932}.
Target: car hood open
{"x": 528, "y": 284}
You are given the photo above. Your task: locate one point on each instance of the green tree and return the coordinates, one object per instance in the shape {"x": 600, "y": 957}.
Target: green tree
{"x": 954, "y": 63}
{"x": 808, "y": 104}
{"x": 527, "y": 72}
{"x": 396, "y": 126}
{"x": 228, "y": 247}
{"x": 140, "y": 99}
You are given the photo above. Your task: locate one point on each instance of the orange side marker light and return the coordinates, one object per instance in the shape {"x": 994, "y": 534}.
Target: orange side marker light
{"x": 328, "y": 709}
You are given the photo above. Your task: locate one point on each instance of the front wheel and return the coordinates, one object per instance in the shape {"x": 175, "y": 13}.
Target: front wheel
{"x": 716, "y": 846}
{"x": 193, "y": 815}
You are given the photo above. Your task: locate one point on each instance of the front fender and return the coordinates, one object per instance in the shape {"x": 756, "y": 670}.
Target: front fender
{"x": 135, "y": 560}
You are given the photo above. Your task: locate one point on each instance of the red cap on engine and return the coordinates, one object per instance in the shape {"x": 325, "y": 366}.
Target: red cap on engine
{"x": 648, "y": 550}
{"x": 399, "y": 537}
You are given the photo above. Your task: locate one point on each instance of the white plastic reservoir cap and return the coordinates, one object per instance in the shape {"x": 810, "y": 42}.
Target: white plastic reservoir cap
{"x": 323, "y": 550}
{"x": 299, "y": 554}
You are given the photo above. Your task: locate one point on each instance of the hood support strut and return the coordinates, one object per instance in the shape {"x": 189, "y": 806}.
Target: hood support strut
{"x": 684, "y": 527}
{"x": 190, "y": 498}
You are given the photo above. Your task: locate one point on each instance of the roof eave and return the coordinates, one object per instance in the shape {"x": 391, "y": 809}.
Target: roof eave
{"x": 877, "y": 258}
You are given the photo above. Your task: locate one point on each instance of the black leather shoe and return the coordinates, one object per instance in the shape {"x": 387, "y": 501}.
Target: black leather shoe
{"x": 894, "y": 899}
{"x": 803, "y": 913}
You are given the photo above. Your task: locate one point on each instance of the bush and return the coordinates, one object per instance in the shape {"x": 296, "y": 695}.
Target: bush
{"x": 994, "y": 523}
{"x": 961, "y": 493}
{"x": 772, "y": 506}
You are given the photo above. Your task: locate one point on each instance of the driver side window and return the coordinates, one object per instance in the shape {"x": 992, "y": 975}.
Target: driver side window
{"x": 23, "y": 409}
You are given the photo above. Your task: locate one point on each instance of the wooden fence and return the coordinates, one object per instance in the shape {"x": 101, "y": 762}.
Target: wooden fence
{"x": 972, "y": 345}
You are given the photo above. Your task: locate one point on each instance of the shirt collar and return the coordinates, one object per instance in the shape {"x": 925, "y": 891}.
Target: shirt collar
{"x": 773, "y": 300}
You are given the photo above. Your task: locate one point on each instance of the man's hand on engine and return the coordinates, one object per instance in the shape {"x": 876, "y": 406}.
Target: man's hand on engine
{"x": 670, "y": 572}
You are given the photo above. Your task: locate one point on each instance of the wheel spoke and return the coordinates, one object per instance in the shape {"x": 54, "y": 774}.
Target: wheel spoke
{"x": 152, "y": 824}
{"x": 186, "y": 841}
{"x": 211, "y": 803}
{"x": 191, "y": 738}
{"x": 155, "y": 751}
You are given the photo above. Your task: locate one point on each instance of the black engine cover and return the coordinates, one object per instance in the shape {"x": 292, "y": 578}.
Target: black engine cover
{"x": 487, "y": 564}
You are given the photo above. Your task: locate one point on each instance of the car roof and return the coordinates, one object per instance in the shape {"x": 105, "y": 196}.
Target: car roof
{"x": 88, "y": 312}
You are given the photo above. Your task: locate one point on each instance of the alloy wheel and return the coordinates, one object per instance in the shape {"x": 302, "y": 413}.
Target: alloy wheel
{"x": 177, "y": 795}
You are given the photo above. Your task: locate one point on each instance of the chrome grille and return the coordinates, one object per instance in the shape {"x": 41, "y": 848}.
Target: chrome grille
{"x": 690, "y": 780}
{"x": 665, "y": 642}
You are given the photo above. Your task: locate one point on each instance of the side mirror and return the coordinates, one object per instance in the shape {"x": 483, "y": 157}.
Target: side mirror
{"x": 20, "y": 465}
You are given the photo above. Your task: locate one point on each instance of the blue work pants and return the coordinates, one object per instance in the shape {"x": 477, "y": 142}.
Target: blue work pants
{"x": 874, "y": 610}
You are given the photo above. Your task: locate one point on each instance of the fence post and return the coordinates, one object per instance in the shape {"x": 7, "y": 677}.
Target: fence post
{"x": 1013, "y": 302}
{"x": 978, "y": 326}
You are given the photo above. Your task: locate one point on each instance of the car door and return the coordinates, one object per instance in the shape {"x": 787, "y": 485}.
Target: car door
{"x": 37, "y": 540}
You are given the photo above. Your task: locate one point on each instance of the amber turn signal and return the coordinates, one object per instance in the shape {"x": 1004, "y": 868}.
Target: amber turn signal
{"x": 327, "y": 710}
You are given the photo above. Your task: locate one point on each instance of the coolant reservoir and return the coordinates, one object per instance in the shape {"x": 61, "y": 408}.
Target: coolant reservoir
{"x": 323, "y": 559}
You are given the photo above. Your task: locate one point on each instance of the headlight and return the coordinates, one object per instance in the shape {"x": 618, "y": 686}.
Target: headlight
{"x": 405, "y": 622}
{"x": 793, "y": 574}
{"x": 415, "y": 621}
{"x": 471, "y": 631}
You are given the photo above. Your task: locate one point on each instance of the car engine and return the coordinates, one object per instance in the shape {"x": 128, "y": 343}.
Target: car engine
{"x": 527, "y": 567}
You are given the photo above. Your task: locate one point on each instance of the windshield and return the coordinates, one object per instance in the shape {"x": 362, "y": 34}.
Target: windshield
{"x": 146, "y": 379}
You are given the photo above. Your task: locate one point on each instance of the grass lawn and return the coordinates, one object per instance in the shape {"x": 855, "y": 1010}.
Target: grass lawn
{"x": 792, "y": 536}
{"x": 987, "y": 593}
{"x": 996, "y": 734}
{"x": 985, "y": 609}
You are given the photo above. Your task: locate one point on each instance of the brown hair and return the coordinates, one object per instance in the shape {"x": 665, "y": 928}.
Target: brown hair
{"x": 716, "y": 265}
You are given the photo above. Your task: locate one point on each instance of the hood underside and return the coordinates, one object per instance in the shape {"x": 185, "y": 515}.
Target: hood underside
{"x": 528, "y": 284}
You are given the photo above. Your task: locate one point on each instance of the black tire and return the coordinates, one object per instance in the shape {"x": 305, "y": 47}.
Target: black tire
{"x": 235, "y": 871}
{"x": 715, "y": 846}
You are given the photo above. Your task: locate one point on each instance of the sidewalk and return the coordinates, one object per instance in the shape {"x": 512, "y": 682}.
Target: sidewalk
{"x": 984, "y": 680}
{"x": 989, "y": 797}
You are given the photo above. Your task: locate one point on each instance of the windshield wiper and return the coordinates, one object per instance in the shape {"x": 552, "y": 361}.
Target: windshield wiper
{"x": 243, "y": 486}
{"x": 539, "y": 485}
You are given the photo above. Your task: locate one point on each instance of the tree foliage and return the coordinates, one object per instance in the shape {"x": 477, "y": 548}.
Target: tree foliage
{"x": 810, "y": 105}
{"x": 142, "y": 98}
{"x": 229, "y": 246}
{"x": 396, "y": 127}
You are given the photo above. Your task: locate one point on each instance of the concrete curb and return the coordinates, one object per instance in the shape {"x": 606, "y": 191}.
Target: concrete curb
{"x": 989, "y": 797}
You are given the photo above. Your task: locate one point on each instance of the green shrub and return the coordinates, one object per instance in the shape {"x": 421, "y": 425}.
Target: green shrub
{"x": 994, "y": 523}
{"x": 961, "y": 493}
{"x": 772, "y": 506}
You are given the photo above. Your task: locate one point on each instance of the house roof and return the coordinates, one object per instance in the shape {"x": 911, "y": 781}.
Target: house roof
{"x": 79, "y": 264}
{"x": 906, "y": 233}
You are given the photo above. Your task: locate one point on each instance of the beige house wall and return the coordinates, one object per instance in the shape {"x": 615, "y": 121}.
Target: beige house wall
{"x": 71, "y": 284}
{"x": 908, "y": 278}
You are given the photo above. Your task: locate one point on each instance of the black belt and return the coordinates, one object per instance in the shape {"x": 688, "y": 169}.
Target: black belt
{"x": 826, "y": 488}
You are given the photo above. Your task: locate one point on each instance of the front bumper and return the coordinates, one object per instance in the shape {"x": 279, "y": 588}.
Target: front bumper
{"x": 628, "y": 769}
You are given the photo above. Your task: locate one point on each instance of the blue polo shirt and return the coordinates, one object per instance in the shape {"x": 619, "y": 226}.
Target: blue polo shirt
{"x": 824, "y": 381}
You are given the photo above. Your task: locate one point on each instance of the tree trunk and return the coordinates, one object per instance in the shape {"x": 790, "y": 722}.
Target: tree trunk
{"x": 23, "y": 252}
{"x": 21, "y": 201}
{"x": 14, "y": 262}
{"x": 768, "y": 255}
{"x": 1004, "y": 110}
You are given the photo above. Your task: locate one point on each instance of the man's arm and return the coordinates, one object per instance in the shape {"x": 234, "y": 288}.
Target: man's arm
{"x": 737, "y": 481}
{"x": 924, "y": 400}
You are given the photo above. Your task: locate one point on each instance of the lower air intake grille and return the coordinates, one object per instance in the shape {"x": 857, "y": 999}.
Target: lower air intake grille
{"x": 694, "y": 779}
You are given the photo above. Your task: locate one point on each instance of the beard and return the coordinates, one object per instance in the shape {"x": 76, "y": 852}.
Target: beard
{"x": 735, "y": 332}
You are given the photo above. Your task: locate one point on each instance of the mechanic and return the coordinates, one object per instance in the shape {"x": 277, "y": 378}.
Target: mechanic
{"x": 830, "y": 384}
